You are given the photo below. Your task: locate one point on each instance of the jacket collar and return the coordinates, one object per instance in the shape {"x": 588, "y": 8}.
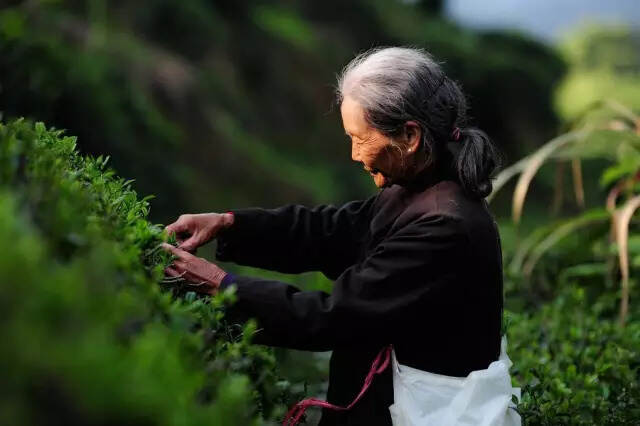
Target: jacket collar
{"x": 397, "y": 196}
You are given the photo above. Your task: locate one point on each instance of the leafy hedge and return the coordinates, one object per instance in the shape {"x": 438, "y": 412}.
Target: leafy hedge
{"x": 574, "y": 362}
{"x": 89, "y": 335}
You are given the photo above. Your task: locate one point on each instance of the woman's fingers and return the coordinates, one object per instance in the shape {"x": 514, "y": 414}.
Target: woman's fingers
{"x": 179, "y": 253}
{"x": 183, "y": 263}
{"x": 204, "y": 275}
{"x": 184, "y": 225}
{"x": 188, "y": 250}
{"x": 175, "y": 227}
{"x": 180, "y": 265}
{"x": 186, "y": 238}
{"x": 172, "y": 272}
{"x": 190, "y": 244}
{"x": 194, "y": 230}
{"x": 179, "y": 269}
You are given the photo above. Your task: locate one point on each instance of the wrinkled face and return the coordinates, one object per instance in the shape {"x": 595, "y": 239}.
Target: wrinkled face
{"x": 369, "y": 146}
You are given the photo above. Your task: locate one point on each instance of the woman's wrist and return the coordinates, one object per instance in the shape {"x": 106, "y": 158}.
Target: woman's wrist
{"x": 216, "y": 280}
{"x": 226, "y": 280}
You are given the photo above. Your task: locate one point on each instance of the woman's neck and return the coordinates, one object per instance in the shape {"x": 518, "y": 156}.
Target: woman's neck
{"x": 428, "y": 174}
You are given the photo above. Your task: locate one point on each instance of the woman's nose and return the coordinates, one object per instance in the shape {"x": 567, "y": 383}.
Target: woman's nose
{"x": 354, "y": 152}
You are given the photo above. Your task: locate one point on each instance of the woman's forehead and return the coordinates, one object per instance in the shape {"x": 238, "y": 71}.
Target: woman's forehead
{"x": 353, "y": 117}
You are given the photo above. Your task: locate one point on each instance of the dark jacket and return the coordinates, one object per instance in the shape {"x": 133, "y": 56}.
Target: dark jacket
{"x": 417, "y": 266}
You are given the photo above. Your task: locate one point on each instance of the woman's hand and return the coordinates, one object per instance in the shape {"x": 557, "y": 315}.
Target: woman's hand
{"x": 205, "y": 276}
{"x": 194, "y": 230}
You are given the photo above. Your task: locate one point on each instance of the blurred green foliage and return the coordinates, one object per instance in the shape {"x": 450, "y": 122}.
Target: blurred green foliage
{"x": 89, "y": 335}
{"x": 605, "y": 64}
{"x": 190, "y": 96}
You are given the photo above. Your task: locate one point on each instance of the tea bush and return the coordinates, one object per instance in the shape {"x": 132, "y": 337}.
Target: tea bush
{"x": 574, "y": 362}
{"x": 89, "y": 334}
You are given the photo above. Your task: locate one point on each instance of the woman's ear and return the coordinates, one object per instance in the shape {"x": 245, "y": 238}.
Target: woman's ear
{"x": 413, "y": 135}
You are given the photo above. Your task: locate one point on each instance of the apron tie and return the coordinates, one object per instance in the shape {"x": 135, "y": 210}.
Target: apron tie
{"x": 377, "y": 367}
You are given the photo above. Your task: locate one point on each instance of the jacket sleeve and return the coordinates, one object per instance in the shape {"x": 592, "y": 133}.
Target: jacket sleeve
{"x": 294, "y": 238}
{"x": 405, "y": 279}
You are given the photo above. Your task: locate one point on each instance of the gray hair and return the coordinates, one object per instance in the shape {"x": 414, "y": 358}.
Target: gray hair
{"x": 394, "y": 85}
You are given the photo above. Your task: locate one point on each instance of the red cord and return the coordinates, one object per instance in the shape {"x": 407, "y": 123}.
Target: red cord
{"x": 296, "y": 412}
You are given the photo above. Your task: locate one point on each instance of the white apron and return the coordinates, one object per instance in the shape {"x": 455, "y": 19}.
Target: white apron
{"x": 483, "y": 398}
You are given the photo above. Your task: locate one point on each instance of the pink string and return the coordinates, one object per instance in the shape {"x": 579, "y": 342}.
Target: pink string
{"x": 296, "y": 412}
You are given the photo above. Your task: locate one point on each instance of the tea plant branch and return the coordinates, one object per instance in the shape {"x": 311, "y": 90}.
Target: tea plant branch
{"x": 611, "y": 201}
{"x": 534, "y": 162}
{"x": 590, "y": 218}
{"x": 622, "y": 220}
{"x": 505, "y": 175}
{"x": 153, "y": 250}
{"x": 578, "y": 185}
{"x": 558, "y": 192}
{"x": 176, "y": 278}
{"x": 624, "y": 111}
{"x": 529, "y": 165}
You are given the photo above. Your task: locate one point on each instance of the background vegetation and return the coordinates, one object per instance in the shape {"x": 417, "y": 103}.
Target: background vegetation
{"x": 211, "y": 105}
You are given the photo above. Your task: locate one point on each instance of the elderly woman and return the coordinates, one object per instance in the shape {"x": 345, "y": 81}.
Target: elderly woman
{"x": 417, "y": 265}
